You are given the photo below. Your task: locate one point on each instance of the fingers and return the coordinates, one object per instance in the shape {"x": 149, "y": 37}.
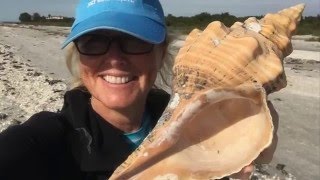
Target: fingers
{"x": 244, "y": 174}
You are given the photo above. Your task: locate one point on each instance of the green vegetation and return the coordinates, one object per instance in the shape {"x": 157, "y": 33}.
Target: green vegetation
{"x": 37, "y": 19}
{"x": 308, "y": 25}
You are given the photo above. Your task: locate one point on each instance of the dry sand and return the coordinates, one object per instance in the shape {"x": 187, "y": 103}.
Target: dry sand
{"x": 33, "y": 78}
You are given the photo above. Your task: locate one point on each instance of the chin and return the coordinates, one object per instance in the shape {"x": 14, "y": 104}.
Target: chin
{"x": 121, "y": 102}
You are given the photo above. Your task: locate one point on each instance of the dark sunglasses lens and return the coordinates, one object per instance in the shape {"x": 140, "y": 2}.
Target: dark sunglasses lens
{"x": 96, "y": 44}
{"x": 92, "y": 44}
{"x": 132, "y": 45}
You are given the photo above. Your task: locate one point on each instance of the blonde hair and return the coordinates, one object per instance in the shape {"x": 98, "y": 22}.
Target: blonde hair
{"x": 164, "y": 76}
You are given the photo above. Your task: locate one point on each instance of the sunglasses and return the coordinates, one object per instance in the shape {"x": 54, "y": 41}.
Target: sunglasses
{"x": 98, "y": 44}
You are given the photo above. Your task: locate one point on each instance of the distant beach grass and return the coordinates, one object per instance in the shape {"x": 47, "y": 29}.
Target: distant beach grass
{"x": 184, "y": 25}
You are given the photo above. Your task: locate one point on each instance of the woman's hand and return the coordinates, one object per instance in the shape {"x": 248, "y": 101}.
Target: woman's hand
{"x": 244, "y": 174}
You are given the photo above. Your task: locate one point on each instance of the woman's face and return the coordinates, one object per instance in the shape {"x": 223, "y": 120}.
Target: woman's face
{"x": 118, "y": 80}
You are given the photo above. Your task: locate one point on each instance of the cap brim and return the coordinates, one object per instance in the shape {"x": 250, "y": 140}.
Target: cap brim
{"x": 139, "y": 26}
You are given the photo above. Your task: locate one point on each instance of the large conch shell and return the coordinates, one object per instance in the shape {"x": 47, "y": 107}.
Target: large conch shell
{"x": 217, "y": 120}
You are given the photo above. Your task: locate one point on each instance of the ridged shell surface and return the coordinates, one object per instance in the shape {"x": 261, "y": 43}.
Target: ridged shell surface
{"x": 218, "y": 120}
{"x": 247, "y": 52}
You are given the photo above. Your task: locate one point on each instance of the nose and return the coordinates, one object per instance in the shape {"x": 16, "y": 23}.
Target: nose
{"x": 115, "y": 56}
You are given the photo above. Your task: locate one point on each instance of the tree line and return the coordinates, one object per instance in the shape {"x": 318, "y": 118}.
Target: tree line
{"x": 36, "y": 17}
{"x": 308, "y": 24}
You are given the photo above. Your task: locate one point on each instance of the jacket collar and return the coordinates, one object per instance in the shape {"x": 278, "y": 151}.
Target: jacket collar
{"x": 94, "y": 143}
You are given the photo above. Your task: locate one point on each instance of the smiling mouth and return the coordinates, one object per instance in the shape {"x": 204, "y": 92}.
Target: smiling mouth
{"x": 117, "y": 79}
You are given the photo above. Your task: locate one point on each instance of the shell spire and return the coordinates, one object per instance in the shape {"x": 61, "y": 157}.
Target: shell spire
{"x": 280, "y": 27}
{"x": 218, "y": 107}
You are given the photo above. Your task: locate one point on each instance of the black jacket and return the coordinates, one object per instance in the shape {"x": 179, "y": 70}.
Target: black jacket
{"x": 75, "y": 143}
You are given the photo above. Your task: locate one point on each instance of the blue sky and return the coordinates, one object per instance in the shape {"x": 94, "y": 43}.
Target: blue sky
{"x": 10, "y": 9}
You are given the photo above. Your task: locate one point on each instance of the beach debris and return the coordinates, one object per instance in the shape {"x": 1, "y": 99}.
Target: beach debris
{"x": 218, "y": 120}
{"x": 3, "y": 116}
{"x": 25, "y": 90}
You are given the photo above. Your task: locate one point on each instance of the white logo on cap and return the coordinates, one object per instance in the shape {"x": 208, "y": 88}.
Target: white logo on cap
{"x": 93, "y": 2}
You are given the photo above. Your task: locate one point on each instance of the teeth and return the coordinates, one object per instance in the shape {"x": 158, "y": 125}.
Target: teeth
{"x": 117, "y": 80}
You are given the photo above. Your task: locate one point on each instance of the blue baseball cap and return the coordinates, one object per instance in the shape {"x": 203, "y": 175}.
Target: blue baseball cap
{"x": 143, "y": 19}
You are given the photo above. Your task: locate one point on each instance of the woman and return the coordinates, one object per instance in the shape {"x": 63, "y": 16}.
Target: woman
{"x": 115, "y": 50}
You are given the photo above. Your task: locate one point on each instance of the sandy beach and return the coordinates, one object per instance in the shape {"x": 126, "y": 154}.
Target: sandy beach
{"x": 33, "y": 78}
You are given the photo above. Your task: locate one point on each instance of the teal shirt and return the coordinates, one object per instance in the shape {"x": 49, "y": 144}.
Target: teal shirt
{"x": 136, "y": 138}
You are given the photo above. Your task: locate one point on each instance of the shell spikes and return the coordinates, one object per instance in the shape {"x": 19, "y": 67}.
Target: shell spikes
{"x": 218, "y": 119}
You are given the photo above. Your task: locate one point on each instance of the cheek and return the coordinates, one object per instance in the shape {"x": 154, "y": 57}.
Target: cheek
{"x": 87, "y": 70}
{"x": 88, "y": 63}
{"x": 146, "y": 69}
{"x": 84, "y": 71}
{"x": 152, "y": 66}
{"x": 158, "y": 57}
{"x": 85, "y": 75}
